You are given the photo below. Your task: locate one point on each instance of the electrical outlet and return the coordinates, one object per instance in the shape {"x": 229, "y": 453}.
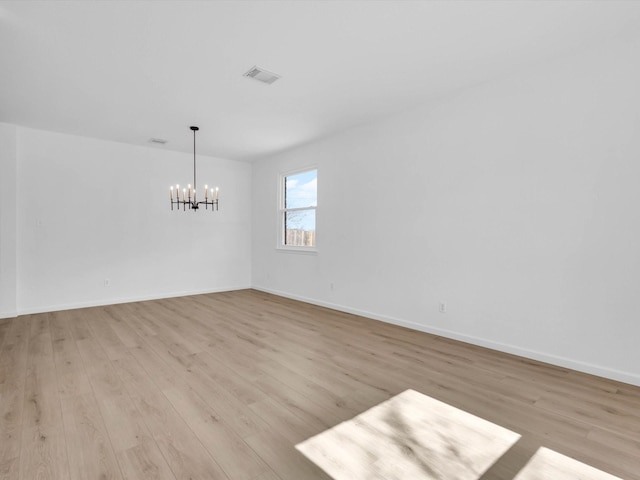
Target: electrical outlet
{"x": 442, "y": 307}
{"x": 107, "y": 282}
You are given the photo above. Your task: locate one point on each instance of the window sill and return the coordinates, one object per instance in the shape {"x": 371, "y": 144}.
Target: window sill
{"x": 298, "y": 250}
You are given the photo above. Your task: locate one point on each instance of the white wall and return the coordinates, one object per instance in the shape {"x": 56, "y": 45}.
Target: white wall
{"x": 515, "y": 202}
{"x": 8, "y": 273}
{"x": 90, "y": 210}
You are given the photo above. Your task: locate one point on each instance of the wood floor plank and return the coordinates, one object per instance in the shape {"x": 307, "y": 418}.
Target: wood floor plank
{"x": 137, "y": 452}
{"x": 118, "y": 321}
{"x": 89, "y": 447}
{"x": 91, "y": 352}
{"x": 100, "y": 325}
{"x": 5, "y": 325}
{"x": 43, "y": 451}
{"x": 70, "y": 370}
{"x": 189, "y": 371}
{"x": 238, "y": 384}
{"x": 269, "y": 476}
{"x": 137, "y": 314}
{"x": 156, "y": 365}
{"x": 223, "y": 386}
{"x": 236, "y": 414}
{"x": 13, "y": 364}
{"x": 235, "y": 457}
{"x": 144, "y": 461}
{"x": 180, "y": 447}
{"x": 44, "y": 454}
{"x": 285, "y": 460}
{"x": 184, "y": 453}
{"x": 341, "y": 407}
{"x": 295, "y": 401}
{"x": 10, "y": 469}
{"x": 296, "y": 427}
{"x": 41, "y": 399}
{"x": 589, "y": 409}
{"x": 78, "y": 323}
{"x": 323, "y": 375}
{"x": 123, "y": 422}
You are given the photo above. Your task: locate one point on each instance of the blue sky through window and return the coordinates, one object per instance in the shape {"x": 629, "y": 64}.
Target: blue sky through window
{"x": 302, "y": 191}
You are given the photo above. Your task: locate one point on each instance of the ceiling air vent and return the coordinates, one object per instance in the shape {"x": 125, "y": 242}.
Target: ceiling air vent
{"x": 262, "y": 75}
{"x": 158, "y": 141}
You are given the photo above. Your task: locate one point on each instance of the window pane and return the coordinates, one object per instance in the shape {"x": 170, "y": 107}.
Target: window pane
{"x": 301, "y": 190}
{"x": 300, "y": 228}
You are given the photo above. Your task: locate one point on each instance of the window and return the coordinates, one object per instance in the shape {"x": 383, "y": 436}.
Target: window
{"x": 298, "y": 203}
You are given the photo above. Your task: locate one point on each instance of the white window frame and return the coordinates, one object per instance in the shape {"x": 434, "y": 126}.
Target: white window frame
{"x": 280, "y": 245}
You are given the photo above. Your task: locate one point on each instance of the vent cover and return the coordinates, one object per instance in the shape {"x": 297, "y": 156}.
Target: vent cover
{"x": 159, "y": 141}
{"x": 262, "y": 75}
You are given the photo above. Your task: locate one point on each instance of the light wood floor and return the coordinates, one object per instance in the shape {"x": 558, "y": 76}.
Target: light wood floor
{"x": 223, "y": 386}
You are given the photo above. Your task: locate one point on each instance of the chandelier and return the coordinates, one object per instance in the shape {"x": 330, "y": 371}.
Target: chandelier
{"x": 188, "y": 197}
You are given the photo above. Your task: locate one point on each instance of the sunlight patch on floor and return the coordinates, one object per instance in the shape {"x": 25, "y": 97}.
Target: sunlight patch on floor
{"x": 546, "y": 464}
{"x": 409, "y": 436}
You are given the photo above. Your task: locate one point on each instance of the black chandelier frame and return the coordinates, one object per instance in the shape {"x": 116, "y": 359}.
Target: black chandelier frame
{"x": 187, "y": 200}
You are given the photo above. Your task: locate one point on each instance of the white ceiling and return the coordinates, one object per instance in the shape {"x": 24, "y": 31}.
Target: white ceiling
{"x": 127, "y": 71}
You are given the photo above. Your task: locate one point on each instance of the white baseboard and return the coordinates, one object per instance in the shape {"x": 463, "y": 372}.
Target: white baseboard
{"x": 613, "y": 374}
{"x": 111, "y": 301}
{"x": 10, "y": 314}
